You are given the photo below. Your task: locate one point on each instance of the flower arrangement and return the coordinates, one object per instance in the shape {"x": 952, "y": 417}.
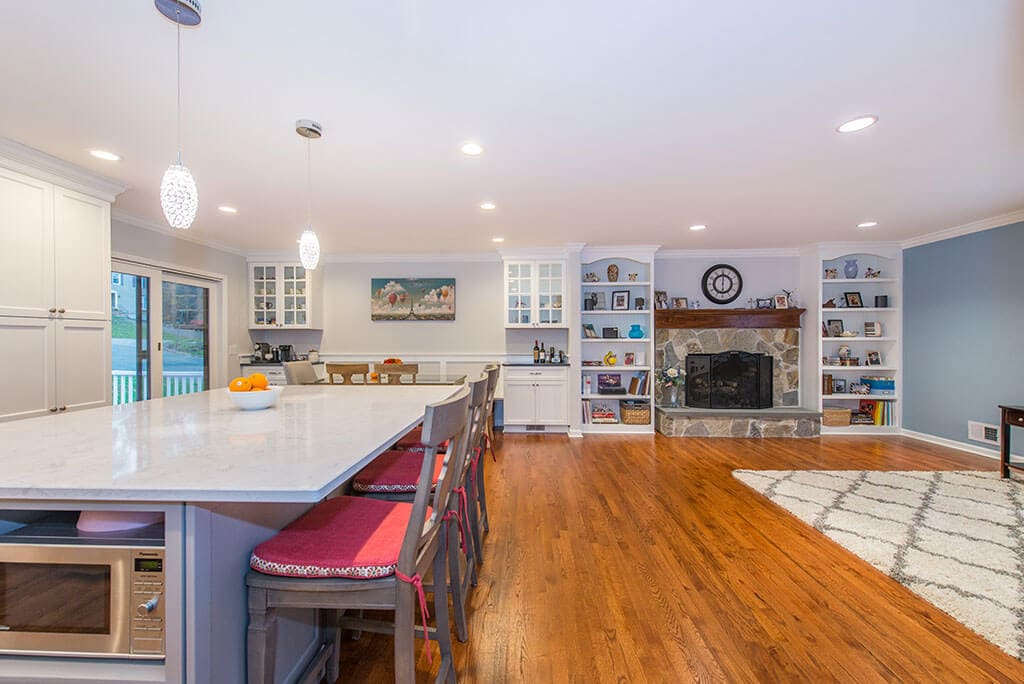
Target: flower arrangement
{"x": 671, "y": 376}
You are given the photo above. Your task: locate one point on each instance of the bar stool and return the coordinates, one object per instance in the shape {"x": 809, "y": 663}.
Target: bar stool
{"x": 346, "y": 371}
{"x": 356, "y": 553}
{"x": 492, "y": 371}
{"x": 300, "y": 373}
{"x": 386, "y": 370}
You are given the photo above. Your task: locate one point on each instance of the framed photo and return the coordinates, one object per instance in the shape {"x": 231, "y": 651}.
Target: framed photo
{"x": 765, "y": 303}
{"x": 629, "y": 358}
{"x": 872, "y": 329}
{"x": 679, "y": 303}
{"x": 412, "y": 299}
{"x": 610, "y": 333}
{"x": 874, "y": 358}
{"x": 620, "y": 300}
{"x": 853, "y": 300}
{"x": 835, "y": 327}
{"x": 839, "y": 385}
{"x": 589, "y": 331}
{"x": 781, "y": 301}
{"x": 660, "y": 299}
{"x": 600, "y": 301}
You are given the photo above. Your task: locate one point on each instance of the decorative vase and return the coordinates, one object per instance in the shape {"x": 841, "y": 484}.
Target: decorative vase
{"x": 635, "y": 331}
{"x": 672, "y": 400}
{"x": 613, "y": 274}
{"x": 850, "y": 269}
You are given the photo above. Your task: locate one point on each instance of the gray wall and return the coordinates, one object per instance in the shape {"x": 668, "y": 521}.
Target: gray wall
{"x": 963, "y": 330}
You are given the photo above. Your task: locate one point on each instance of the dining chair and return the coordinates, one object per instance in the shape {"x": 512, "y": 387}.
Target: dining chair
{"x": 392, "y": 476}
{"x": 300, "y": 373}
{"x": 346, "y": 371}
{"x": 353, "y": 553}
{"x": 396, "y": 370}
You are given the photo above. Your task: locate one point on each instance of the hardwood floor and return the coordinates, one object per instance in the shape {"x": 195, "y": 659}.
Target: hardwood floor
{"x": 615, "y": 558}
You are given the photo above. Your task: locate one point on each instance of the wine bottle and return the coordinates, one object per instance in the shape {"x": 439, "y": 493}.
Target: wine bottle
{"x": 543, "y": 354}
{"x": 536, "y": 352}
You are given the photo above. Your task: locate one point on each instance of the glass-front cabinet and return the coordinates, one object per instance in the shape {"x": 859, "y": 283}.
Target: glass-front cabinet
{"x": 534, "y": 293}
{"x": 278, "y": 296}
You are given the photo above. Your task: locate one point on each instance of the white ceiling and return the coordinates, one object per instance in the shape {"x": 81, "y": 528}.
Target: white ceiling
{"x": 602, "y": 122}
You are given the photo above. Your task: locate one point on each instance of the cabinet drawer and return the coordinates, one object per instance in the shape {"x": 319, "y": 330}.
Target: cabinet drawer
{"x": 533, "y": 374}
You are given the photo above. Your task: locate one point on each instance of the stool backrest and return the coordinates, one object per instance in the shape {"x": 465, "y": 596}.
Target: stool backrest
{"x": 397, "y": 370}
{"x": 444, "y": 421}
{"x": 346, "y": 371}
{"x": 477, "y": 418}
{"x": 299, "y": 373}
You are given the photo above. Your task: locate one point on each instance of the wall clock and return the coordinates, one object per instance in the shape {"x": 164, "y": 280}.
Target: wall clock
{"x": 721, "y": 283}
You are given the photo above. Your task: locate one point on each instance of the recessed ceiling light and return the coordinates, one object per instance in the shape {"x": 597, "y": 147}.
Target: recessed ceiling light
{"x": 867, "y": 224}
{"x": 858, "y": 124}
{"x": 227, "y": 210}
{"x": 497, "y": 239}
{"x": 488, "y": 206}
{"x": 699, "y": 226}
{"x": 104, "y": 155}
{"x": 471, "y": 148}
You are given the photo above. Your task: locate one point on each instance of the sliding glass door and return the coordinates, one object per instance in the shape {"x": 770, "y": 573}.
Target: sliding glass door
{"x": 186, "y": 336}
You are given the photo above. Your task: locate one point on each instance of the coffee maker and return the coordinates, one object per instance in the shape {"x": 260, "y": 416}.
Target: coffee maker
{"x": 261, "y": 353}
{"x": 285, "y": 352}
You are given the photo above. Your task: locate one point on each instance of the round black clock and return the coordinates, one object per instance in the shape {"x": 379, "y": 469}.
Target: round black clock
{"x": 721, "y": 283}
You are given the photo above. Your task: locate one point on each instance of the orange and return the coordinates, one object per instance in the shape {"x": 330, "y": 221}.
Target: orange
{"x": 258, "y": 381}
{"x": 240, "y": 385}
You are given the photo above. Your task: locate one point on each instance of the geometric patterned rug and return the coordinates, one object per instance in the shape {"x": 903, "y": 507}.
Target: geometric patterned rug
{"x": 954, "y": 538}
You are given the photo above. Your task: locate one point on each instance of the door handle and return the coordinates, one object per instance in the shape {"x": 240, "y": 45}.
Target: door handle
{"x": 53, "y": 309}
{"x": 63, "y": 408}
{"x": 53, "y": 409}
{"x": 61, "y": 311}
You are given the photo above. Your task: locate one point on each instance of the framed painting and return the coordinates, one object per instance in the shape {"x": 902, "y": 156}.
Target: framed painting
{"x": 412, "y": 299}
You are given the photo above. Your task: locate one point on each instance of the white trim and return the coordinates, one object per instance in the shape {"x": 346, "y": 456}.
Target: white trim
{"x": 591, "y": 253}
{"x": 965, "y": 229}
{"x": 952, "y": 444}
{"x": 187, "y": 235}
{"x": 447, "y": 257}
{"x": 727, "y": 253}
{"x": 46, "y": 167}
{"x": 536, "y": 253}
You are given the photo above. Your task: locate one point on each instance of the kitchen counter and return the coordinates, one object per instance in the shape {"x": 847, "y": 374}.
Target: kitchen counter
{"x": 199, "y": 447}
{"x": 538, "y": 365}
{"x": 273, "y": 363}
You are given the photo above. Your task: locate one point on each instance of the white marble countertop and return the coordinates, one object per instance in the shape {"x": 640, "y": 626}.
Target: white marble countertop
{"x": 199, "y": 447}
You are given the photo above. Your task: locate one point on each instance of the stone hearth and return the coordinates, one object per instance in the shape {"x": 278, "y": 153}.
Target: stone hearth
{"x": 784, "y": 422}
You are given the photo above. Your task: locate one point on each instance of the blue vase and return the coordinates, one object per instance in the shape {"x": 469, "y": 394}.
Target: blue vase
{"x": 850, "y": 269}
{"x": 636, "y": 332}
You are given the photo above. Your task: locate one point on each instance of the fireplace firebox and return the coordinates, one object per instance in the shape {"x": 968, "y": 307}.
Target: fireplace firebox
{"x": 729, "y": 380}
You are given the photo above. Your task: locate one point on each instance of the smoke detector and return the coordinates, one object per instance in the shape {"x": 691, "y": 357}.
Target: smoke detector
{"x": 308, "y": 128}
{"x": 184, "y": 12}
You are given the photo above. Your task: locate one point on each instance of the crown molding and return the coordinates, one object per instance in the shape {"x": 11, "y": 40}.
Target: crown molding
{"x": 446, "y": 257}
{"x": 727, "y": 253}
{"x": 186, "y": 235}
{"x": 965, "y": 229}
{"x": 46, "y": 167}
{"x": 635, "y": 252}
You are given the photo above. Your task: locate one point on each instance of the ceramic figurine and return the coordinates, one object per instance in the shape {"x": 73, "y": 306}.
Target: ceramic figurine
{"x": 631, "y": 276}
{"x": 613, "y": 274}
{"x": 871, "y": 273}
{"x": 789, "y": 298}
{"x": 591, "y": 278}
{"x": 831, "y": 273}
{"x": 830, "y": 304}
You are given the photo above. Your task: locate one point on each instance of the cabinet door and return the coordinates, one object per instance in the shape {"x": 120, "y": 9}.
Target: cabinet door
{"x": 520, "y": 404}
{"x": 263, "y": 291}
{"x": 550, "y": 293}
{"x": 29, "y": 378}
{"x": 551, "y": 403}
{"x": 294, "y": 299}
{"x": 81, "y": 240}
{"x": 519, "y": 294}
{"x": 26, "y": 246}
{"x": 83, "y": 364}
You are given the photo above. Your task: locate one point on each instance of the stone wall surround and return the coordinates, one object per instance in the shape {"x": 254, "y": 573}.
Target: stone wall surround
{"x": 675, "y": 425}
{"x": 672, "y": 345}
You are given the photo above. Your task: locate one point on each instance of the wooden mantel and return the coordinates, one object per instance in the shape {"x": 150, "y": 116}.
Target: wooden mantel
{"x": 727, "y": 318}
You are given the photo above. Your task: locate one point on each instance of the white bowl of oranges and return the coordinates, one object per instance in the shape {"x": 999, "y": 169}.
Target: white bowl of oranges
{"x": 253, "y": 392}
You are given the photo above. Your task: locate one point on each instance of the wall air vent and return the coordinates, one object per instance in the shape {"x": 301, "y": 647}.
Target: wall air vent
{"x": 982, "y": 432}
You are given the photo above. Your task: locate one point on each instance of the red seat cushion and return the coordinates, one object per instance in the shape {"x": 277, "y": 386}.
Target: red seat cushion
{"x": 349, "y": 536}
{"x": 413, "y": 440}
{"x": 394, "y": 472}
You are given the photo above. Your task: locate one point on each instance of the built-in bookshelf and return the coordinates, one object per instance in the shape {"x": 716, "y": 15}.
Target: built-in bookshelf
{"x": 616, "y": 297}
{"x": 859, "y": 351}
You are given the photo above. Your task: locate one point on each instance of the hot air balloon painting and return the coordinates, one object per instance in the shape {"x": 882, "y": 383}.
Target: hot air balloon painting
{"x": 412, "y": 299}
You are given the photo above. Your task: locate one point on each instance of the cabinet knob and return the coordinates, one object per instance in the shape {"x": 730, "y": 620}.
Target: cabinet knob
{"x": 63, "y": 408}
{"x": 60, "y": 311}
{"x": 53, "y": 409}
{"x": 53, "y": 309}
{"x": 1020, "y": 420}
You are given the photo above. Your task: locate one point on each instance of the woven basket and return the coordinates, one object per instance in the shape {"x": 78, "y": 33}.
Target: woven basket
{"x": 835, "y": 417}
{"x": 635, "y": 415}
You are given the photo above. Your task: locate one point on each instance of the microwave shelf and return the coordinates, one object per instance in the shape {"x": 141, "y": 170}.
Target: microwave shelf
{"x": 59, "y": 527}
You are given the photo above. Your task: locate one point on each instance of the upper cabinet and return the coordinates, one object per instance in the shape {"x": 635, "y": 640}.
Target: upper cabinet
{"x": 281, "y": 295}
{"x": 534, "y": 293}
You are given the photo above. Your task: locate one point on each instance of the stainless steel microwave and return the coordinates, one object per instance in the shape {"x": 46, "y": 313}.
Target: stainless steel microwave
{"x": 82, "y": 600}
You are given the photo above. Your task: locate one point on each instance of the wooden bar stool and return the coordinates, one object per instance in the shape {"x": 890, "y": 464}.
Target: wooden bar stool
{"x": 487, "y": 440}
{"x": 396, "y": 370}
{"x": 358, "y": 553}
{"x": 346, "y": 371}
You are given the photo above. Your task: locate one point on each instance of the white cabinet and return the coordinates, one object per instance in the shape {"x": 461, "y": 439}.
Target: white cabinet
{"x": 536, "y": 396}
{"x": 534, "y": 294}
{"x": 54, "y": 297}
{"x": 281, "y": 296}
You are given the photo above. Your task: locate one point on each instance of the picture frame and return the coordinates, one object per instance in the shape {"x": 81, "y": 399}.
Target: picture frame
{"x": 629, "y": 359}
{"x": 412, "y": 299}
{"x": 620, "y": 300}
{"x": 853, "y": 300}
{"x": 872, "y": 328}
{"x": 874, "y": 358}
{"x": 839, "y": 385}
{"x": 589, "y": 331}
{"x": 660, "y": 299}
{"x": 610, "y": 333}
{"x": 835, "y": 327}
{"x": 781, "y": 301}
{"x": 680, "y": 303}
{"x": 600, "y": 301}
{"x": 881, "y": 301}
{"x": 765, "y": 303}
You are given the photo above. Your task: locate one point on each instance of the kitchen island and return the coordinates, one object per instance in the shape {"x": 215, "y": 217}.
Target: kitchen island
{"x": 224, "y": 481}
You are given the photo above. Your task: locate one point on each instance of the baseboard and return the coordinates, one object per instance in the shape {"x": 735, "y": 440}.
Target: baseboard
{"x": 952, "y": 444}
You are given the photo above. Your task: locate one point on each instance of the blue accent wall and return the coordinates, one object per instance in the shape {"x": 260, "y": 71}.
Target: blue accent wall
{"x": 963, "y": 319}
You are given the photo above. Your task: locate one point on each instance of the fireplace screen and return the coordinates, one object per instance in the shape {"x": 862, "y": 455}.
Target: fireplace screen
{"x": 730, "y": 380}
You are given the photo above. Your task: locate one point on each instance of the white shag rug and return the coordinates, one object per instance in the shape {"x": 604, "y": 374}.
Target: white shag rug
{"x": 954, "y": 538}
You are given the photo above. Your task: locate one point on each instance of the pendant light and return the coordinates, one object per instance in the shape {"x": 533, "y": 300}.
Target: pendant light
{"x": 178, "y": 195}
{"x": 309, "y": 245}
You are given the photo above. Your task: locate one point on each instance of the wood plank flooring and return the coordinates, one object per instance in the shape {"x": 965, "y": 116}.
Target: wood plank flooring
{"x": 641, "y": 559}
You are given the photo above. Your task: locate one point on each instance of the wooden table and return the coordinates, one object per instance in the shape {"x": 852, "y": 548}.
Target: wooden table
{"x": 1011, "y": 416}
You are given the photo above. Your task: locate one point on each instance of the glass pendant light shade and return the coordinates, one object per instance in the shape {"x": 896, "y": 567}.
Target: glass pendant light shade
{"x": 309, "y": 249}
{"x": 178, "y": 196}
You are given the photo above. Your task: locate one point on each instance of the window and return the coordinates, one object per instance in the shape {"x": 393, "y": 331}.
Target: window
{"x": 115, "y": 278}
